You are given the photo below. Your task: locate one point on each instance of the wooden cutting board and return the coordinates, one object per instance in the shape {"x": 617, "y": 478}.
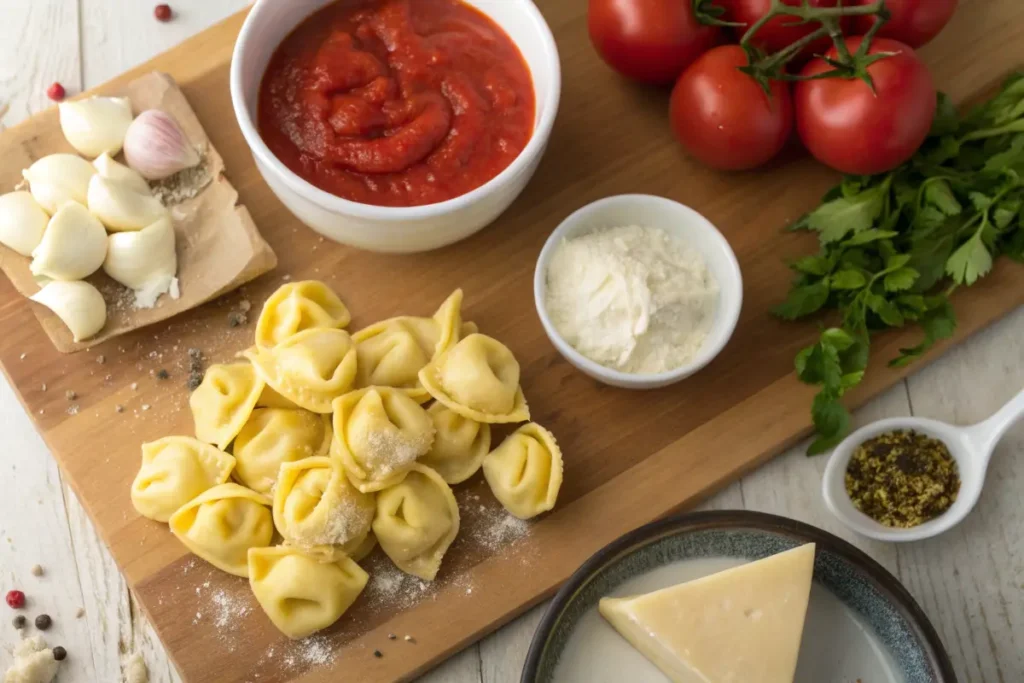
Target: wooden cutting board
{"x": 630, "y": 457}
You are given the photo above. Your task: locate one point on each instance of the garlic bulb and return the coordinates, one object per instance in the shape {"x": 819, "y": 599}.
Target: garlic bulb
{"x": 97, "y": 124}
{"x": 156, "y": 147}
{"x": 122, "y": 208}
{"x": 143, "y": 260}
{"x": 59, "y": 178}
{"x": 119, "y": 173}
{"x": 22, "y": 222}
{"x": 78, "y": 304}
{"x": 73, "y": 246}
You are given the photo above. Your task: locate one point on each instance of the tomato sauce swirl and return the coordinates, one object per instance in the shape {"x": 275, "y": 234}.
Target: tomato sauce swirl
{"x": 397, "y": 102}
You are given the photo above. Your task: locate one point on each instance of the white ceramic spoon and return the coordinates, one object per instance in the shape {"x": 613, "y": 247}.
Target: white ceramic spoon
{"x": 972, "y": 448}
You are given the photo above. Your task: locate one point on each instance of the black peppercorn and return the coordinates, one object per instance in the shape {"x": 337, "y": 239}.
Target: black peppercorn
{"x": 378, "y": 654}
{"x": 20, "y": 621}
{"x": 43, "y": 622}
{"x": 59, "y": 653}
{"x": 162, "y": 374}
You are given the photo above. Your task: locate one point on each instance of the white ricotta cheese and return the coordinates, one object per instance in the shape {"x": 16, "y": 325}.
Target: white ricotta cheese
{"x": 631, "y": 298}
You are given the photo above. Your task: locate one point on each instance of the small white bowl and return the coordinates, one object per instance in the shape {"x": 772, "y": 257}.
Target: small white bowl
{"x": 679, "y": 221}
{"x": 381, "y": 228}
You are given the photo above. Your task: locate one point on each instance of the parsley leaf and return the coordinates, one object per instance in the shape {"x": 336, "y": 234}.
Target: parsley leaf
{"x": 839, "y": 217}
{"x": 900, "y": 279}
{"x": 971, "y": 261}
{"x": 804, "y": 300}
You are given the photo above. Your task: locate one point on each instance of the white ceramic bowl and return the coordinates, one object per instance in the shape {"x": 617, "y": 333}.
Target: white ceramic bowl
{"x": 678, "y": 220}
{"x": 389, "y": 229}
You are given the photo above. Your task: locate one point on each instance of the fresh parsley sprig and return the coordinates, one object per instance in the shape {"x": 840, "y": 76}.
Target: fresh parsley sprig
{"x": 893, "y": 247}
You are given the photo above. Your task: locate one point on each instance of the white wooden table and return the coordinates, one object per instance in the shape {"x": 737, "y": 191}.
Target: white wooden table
{"x": 970, "y": 581}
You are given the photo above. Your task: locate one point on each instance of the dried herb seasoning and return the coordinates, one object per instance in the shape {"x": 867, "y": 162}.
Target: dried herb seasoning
{"x": 902, "y": 478}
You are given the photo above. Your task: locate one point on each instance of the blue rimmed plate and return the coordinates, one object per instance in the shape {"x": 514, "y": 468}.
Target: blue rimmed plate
{"x": 862, "y": 624}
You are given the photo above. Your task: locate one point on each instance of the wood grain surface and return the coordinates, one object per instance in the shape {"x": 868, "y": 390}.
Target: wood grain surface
{"x": 630, "y": 457}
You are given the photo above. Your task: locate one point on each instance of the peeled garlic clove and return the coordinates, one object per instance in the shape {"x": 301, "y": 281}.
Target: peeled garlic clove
{"x": 144, "y": 260}
{"x": 156, "y": 147}
{"x": 73, "y": 246}
{"x": 22, "y": 222}
{"x": 59, "y": 178}
{"x": 119, "y": 173}
{"x": 97, "y": 124}
{"x": 122, "y": 208}
{"x": 78, "y": 304}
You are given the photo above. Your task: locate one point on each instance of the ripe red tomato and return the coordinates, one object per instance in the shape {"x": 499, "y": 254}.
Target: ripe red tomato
{"x": 650, "y": 41}
{"x": 780, "y": 31}
{"x": 723, "y": 117}
{"x": 853, "y": 130}
{"x": 913, "y": 22}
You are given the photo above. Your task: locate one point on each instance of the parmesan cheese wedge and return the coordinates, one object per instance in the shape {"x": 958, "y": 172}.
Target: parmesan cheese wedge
{"x": 742, "y": 625}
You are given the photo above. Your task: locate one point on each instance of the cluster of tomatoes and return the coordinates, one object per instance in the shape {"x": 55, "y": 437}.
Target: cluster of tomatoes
{"x": 867, "y": 120}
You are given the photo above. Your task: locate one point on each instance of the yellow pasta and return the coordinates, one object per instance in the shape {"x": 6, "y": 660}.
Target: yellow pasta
{"x": 479, "y": 379}
{"x": 416, "y": 522}
{"x": 301, "y": 594}
{"x": 525, "y": 471}
{"x": 222, "y": 524}
{"x": 460, "y": 444}
{"x": 310, "y": 369}
{"x": 378, "y": 434}
{"x": 299, "y": 306}
{"x": 176, "y": 469}
{"x": 273, "y": 436}
{"x": 392, "y": 352}
{"x": 224, "y": 401}
{"x": 315, "y": 505}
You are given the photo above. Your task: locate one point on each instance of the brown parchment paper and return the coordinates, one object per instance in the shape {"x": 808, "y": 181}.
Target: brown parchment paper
{"x": 218, "y": 245}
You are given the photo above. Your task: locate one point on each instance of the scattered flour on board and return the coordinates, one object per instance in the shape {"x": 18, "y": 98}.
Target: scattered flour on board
{"x": 312, "y": 651}
{"x": 390, "y": 588}
{"x": 229, "y": 609}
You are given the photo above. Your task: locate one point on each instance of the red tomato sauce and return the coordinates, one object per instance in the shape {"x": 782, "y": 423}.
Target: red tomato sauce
{"x": 397, "y": 102}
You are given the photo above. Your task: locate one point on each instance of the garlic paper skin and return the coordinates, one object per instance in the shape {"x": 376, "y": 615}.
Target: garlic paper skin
{"x": 156, "y": 147}
{"x": 122, "y": 208}
{"x": 59, "y": 178}
{"x": 73, "y": 246}
{"x": 144, "y": 261}
{"x": 119, "y": 173}
{"x": 22, "y": 222}
{"x": 78, "y": 304}
{"x": 96, "y": 125}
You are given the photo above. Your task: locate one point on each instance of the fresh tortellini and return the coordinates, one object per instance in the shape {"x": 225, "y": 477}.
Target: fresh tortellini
{"x": 310, "y": 369}
{"x": 222, "y": 524}
{"x": 479, "y": 379}
{"x": 299, "y": 306}
{"x": 392, "y": 352}
{"x": 416, "y": 520}
{"x": 525, "y": 471}
{"x": 273, "y": 436}
{"x": 315, "y": 506}
{"x": 301, "y": 594}
{"x": 223, "y": 402}
{"x": 460, "y": 444}
{"x": 176, "y": 469}
{"x": 379, "y": 433}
